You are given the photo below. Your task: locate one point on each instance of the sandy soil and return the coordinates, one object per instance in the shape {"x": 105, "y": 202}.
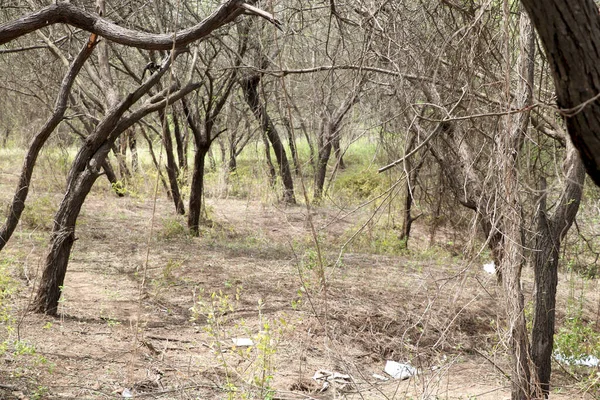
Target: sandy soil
{"x": 127, "y": 325}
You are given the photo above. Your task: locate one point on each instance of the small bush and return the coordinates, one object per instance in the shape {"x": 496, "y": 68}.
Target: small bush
{"x": 172, "y": 228}
{"x": 360, "y": 185}
{"x": 39, "y": 213}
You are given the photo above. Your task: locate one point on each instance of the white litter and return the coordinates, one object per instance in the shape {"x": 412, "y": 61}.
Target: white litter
{"x": 589, "y": 361}
{"x": 490, "y": 268}
{"x": 399, "y": 371}
{"x": 242, "y": 342}
{"x": 126, "y": 393}
{"x": 380, "y": 377}
{"x": 327, "y": 377}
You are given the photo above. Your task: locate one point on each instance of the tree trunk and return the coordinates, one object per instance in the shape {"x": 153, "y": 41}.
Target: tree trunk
{"x": 270, "y": 166}
{"x": 181, "y": 155}
{"x": 197, "y": 189}
{"x": 250, "y": 89}
{"x": 82, "y": 176}
{"x": 132, "y": 143}
{"x": 121, "y": 155}
{"x": 292, "y": 143}
{"x": 172, "y": 169}
{"x": 17, "y": 205}
{"x": 325, "y": 146}
{"x": 549, "y": 235}
{"x": 511, "y": 217}
{"x": 570, "y": 34}
{"x": 338, "y": 152}
{"x": 411, "y": 179}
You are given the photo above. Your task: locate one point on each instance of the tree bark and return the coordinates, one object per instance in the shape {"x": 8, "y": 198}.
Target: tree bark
{"x": 17, "y": 205}
{"x": 197, "y": 189}
{"x": 172, "y": 169}
{"x": 82, "y": 175}
{"x": 550, "y": 232}
{"x": 570, "y": 34}
{"x": 181, "y": 154}
{"x": 250, "y": 89}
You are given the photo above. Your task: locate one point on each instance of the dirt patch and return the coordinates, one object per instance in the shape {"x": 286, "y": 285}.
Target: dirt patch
{"x": 155, "y": 329}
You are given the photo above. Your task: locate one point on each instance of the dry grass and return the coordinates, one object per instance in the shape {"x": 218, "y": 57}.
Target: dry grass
{"x": 436, "y": 311}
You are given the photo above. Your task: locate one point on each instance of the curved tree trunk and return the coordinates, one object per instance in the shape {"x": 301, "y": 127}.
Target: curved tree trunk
{"x": 570, "y": 34}
{"x": 250, "y": 89}
{"x": 172, "y": 169}
{"x": 82, "y": 175}
{"x": 18, "y": 203}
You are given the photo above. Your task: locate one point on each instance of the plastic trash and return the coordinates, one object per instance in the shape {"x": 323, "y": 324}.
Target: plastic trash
{"x": 589, "y": 361}
{"x": 490, "y": 268}
{"x": 399, "y": 371}
{"x": 242, "y": 342}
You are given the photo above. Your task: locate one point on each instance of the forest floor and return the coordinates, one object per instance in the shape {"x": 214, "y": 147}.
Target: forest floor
{"x": 153, "y": 312}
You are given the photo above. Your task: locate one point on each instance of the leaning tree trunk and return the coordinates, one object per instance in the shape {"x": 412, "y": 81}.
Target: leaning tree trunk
{"x": 570, "y": 34}
{"x": 172, "y": 169}
{"x": 63, "y": 233}
{"x": 82, "y": 175}
{"x": 250, "y": 89}
{"x": 549, "y": 235}
{"x": 17, "y": 205}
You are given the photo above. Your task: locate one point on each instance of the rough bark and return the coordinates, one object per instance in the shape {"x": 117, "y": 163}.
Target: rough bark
{"x": 551, "y": 230}
{"x": 82, "y": 175}
{"x": 329, "y": 133}
{"x": 509, "y": 146}
{"x": 570, "y": 34}
{"x": 195, "y": 204}
{"x": 250, "y": 89}
{"x": 17, "y": 205}
{"x": 67, "y": 13}
{"x": 172, "y": 170}
{"x": 181, "y": 155}
{"x": 338, "y": 152}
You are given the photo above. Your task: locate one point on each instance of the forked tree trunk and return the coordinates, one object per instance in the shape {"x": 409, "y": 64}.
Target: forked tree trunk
{"x": 17, "y": 205}
{"x": 551, "y": 230}
{"x": 250, "y": 89}
{"x": 172, "y": 170}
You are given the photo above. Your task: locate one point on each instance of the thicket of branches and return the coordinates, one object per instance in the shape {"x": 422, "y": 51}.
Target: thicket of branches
{"x": 457, "y": 95}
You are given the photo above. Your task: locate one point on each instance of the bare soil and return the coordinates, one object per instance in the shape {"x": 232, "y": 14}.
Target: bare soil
{"x": 127, "y": 323}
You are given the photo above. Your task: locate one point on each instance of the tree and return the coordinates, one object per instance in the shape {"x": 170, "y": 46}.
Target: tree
{"x": 570, "y": 33}
{"x": 86, "y": 166}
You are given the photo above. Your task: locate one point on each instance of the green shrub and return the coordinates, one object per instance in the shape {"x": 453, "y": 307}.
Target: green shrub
{"x": 360, "y": 185}
{"x": 39, "y": 213}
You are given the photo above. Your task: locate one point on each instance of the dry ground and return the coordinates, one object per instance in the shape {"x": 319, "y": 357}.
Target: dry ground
{"x": 128, "y": 324}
